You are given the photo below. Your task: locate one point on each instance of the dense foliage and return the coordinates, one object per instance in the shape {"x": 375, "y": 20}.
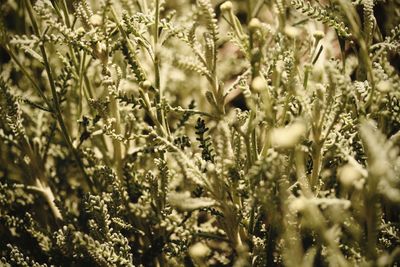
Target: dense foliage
{"x": 199, "y": 133}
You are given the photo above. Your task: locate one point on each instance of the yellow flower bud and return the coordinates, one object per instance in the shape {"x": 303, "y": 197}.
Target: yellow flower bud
{"x": 227, "y": 6}
{"x": 146, "y": 84}
{"x": 96, "y": 20}
{"x": 318, "y": 35}
{"x": 199, "y": 250}
{"x": 254, "y": 24}
{"x": 289, "y": 136}
{"x": 258, "y": 84}
{"x": 384, "y": 86}
{"x": 348, "y": 175}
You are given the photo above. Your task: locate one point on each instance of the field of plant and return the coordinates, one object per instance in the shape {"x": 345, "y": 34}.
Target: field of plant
{"x": 200, "y": 133}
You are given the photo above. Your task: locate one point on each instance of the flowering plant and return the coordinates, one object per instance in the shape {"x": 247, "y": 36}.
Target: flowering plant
{"x": 199, "y": 133}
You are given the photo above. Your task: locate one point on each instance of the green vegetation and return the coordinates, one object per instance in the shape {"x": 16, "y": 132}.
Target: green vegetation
{"x": 199, "y": 133}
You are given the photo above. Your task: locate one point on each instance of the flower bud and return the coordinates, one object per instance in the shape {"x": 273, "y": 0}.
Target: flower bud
{"x": 96, "y": 20}
{"x": 226, "y": 7}
{"x": 199, "y": 250}
{"x": 254, "y": 24}
{"x": 348, "y": 175}
{"x": 292, "y": 32}
{"x": 289, "y": 136}
{"x": 80, "y": 31}
{"x": 298, "y": 204}
{"x": 258, "y": 84}
{"x": 318, "y": 35}
{"x": 384, "y": 86}
{"x": 146, "y": 84}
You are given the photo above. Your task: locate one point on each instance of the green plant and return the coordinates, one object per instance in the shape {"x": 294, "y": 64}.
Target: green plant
{"x": 199, "y": 133}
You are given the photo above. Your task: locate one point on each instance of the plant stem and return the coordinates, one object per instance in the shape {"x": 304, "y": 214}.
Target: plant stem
{"x": 156, "y": 63}
{"x": 316, "y": 159}
{"x": 49, "y": 197}
{"x": 116, "y": 143}
{"x": 27, "y": 75}
{"x": 56, "y": 103}
{"x": 145, "y": 96}
{"x": 371, "y": 216}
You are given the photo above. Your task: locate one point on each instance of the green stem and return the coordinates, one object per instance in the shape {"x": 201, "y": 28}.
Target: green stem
{"x": 316, "y": 158}
{"x": 249, "y": 10}
{"x": 65, "y": 10}
{"x": 116, "y": 143}
{"x": 248, "y": 152}
{"x": 147, "y": 107}
{"x": 48, "y": 195}
{"x": 25, "y": 72}
{"x": 79, "y": 67}
{"x": 56, "y": 103}
{"x": 285, "y": 108}
{"x": 351, "y": 15}
{"x": 160, "y": 113}
{"x": 371, "y": 215}
{"x": 146, "y": 101}
{"x": 41, "y": 183}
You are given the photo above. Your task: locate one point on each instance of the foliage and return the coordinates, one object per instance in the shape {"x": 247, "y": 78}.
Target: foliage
{"x": 199, "y": 133}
